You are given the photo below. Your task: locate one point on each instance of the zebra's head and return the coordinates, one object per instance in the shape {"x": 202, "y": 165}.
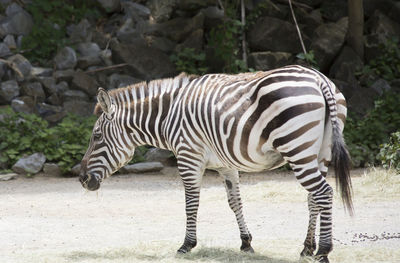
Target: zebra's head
{"x": 106, "y": 152}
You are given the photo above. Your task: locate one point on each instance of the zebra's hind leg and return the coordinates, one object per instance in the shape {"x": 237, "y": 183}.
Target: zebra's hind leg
{"x": 231, "y": 181}
{"x": 319, "y": 204}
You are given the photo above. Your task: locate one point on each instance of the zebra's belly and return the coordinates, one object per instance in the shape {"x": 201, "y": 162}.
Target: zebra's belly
{"x": 268, "y": 161}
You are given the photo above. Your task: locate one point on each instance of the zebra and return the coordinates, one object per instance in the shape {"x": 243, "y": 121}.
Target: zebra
{"x": 245, "y": 122}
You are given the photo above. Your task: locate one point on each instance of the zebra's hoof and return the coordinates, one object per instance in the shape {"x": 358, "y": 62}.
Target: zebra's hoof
{"x": 321, "y": 259}
{"x": 186, "y": 247}
{"x": 248, "y": 249}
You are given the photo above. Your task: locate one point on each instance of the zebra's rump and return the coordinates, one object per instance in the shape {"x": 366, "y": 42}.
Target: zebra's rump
{"x": 251, "y": 121}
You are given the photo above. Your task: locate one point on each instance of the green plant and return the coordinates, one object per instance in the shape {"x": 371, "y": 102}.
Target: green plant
{"x": 51, "y": 18}
{"x": 225, "y": 39}
{"x": 190, "y": 61}
{"x": 309, "y": 58}
{"x": 389, "y": 153}
{"x": 365, "y": 135}
{"x": 386, "y": 65}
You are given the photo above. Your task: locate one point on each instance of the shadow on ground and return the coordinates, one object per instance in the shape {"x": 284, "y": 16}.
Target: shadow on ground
{"x": 202, "y": 254}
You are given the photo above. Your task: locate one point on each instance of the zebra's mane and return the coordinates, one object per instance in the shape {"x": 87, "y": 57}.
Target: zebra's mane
{"x": 161, "y": 83}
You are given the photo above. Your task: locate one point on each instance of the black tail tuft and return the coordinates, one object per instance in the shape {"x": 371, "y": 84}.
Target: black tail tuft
{"x": 341, "y": 161}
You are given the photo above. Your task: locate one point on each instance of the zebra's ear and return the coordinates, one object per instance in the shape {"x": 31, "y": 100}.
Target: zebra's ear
{"x": 105, "y": 101}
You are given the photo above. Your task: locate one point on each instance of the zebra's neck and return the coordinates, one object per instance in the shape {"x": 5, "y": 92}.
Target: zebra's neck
{"x": 144, "y": 107}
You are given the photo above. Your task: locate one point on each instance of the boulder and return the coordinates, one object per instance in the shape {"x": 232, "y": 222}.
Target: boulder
{"x": 23, "y": 65}
{"x": 143, "y": 167}
{"x": 51, "y": 113}
{"x": 380, "y": 86}
{"x": 135, "y": 11}
{"x": 37, "y": 72}
{"x": 213, "y": 16}
{"x": 333, "y": 10}
{"x": 273, "y": 34}
{"x": 73, "y": 95}
{"x": 268, "y": 60}
{"x": 76, "y": 170}
{"x": 8, "y": 90}
{"x": 4, "y": 50}
{"x": 8, "y": 176}
{"x": 110, "y": 6}
{"x": 88, "y": 55}
{"x": 82, "y": 81}
{"x": 161, "y": 43}
{"x": 65, "y": 59}
{"x": 58, "y": 89}
{"x": 117, "y": 80}
{"x": 346, "y": 65}
{"x": 9, "y": 40}
{"x": 195, "y": 41}
{"x": 81, "y": 32}
{"x": 143, "y": 62}
{"x": 328, "y": 39}
{"x": 382, "y": 26}
{"x": 64, "y": 75}
{"x": 159, "y": 155}
{"x": 127, "y": 31}
{"x": 79, "y": 107}
{"x": 17, "y": 22}
{"x": 161, "y": 11}
{"x": 51, "y": 169}
{"x": 23, "y": 104}
{"x": 34, "y": 90}
{"x": 31, "y": 164}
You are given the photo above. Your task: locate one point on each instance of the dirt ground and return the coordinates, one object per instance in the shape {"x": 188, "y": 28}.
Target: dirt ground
{"x": 141, "y": 218}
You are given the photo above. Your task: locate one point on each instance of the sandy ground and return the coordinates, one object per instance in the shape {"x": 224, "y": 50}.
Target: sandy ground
{"x": 135, "y": 218}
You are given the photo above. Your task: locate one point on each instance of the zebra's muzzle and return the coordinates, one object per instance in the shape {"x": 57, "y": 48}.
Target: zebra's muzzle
{"x": 90, "y": 181}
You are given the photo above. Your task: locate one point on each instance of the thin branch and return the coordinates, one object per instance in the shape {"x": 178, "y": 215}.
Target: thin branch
{"x": 297, "y": 28}
{"x": 13, "y": 66}
{"x": 106, "y": 68}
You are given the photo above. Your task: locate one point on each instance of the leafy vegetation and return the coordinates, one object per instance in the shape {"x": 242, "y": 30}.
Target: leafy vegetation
{"x": 309, "y": 58}
{"x": 389, "y": 154}
{"x": 190, "y": 61}
{"x": 24, "y": 134}
{"x": 364, "y": 136}
{"x": 51, "y": 18}
{"x": 386, "y": 65}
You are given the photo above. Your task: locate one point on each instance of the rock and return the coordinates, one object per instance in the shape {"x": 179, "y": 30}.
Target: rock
{"x": 161, "y": 43}
{"x": 84, "y": 82}
{"x": 328, "y": 39}
{"x": 8, "y": 90}
{"x": 383, "y": 6}
{"x": 23, "y": 65}
{"x": 34, "y": 90}
{"x": 382, "y": 26}
{"x": 380, "y": 86}
{"x": 71, "y": 95}
{"x": 119, "y": 80}
{"x": 51, "y": 113}
{"x": 272, "y": 34}
{"x": 8, "y": 176}
{"x": 144, "y": 167}
{"x": 110, "y": 6}
{"x": 195, "y": 41}
{"x": 58, "y": 89}
{"x": 19, "y": 22}
{"x": 88, "y": 55}
{"x": 213, "y": 16}
{"x": 159, "y": 155}
{"x": 346, "y": 65}
{"x": 12, "y": 9}
{"x": 79, "y": 107}
{"x": 4, "y": 50}
{"x": 64, "y": 75}
{"x": 127, "y": 31}
{"x": 269, "y": 60}
{"x": 106, "y": 57}
{"x": 334, "y": 10}
{"x": 31, "y": 164}
{"x": 81, "y": 32}
{"x": 47, "y": 82}
{"x": 161, "y": 11}
{"x": 65, "y": 59}
{"x": 23, "y": 104}
{"x": 144, "y": 62}
{"x": 52, "y": 169}
{"x": 76, "y": 170}
{"x": 41, "y": 72}
{"x": 9, "y": 40}
{"x": 135, "y": 11}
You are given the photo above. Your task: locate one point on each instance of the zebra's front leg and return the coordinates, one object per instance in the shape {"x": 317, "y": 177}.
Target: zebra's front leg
{"x": 231, "y": 181}
{"x": 191, "y": 181}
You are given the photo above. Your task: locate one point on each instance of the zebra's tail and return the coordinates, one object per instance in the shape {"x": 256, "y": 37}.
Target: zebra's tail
{"x": 340, "y": 155}
{"x": 341, "y": 162}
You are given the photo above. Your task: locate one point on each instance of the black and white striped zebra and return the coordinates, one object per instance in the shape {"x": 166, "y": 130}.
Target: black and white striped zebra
{"x": 231, "y": 123}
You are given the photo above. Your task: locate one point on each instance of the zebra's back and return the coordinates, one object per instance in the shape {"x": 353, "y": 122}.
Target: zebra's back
{"x": 251, "y": 121}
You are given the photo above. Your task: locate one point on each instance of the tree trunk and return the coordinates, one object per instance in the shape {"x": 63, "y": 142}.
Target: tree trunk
{"x": 356, "y": 26}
